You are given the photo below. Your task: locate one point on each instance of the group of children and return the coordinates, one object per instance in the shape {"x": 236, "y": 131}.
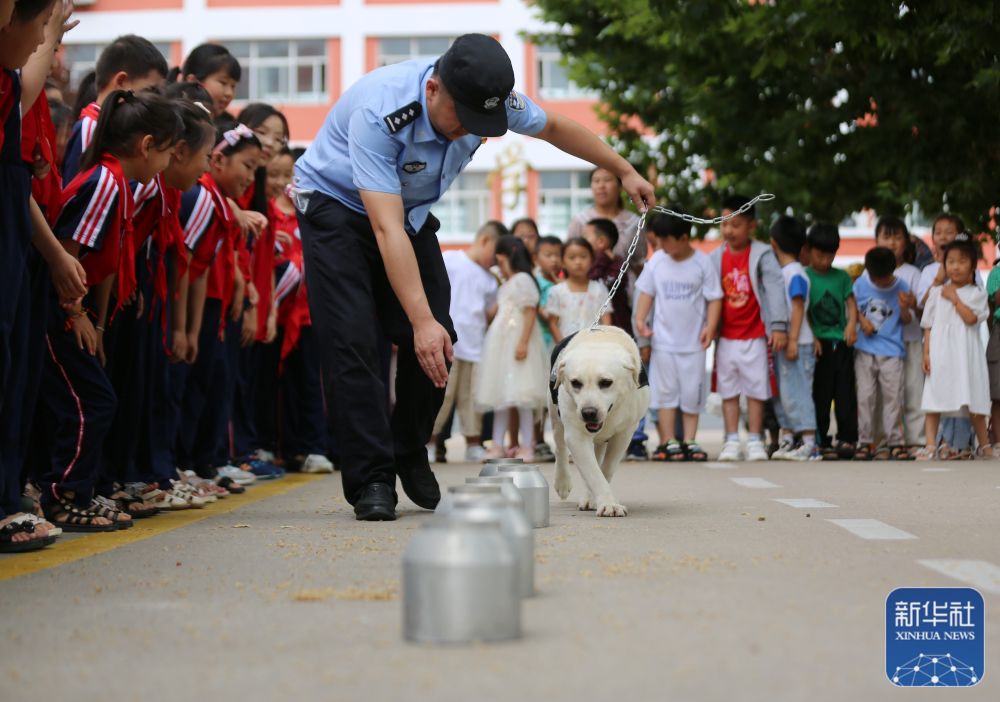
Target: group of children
{"x": 155, "y": 341}
{"x": 799, "y": 337}
{"x": 888, "y": 351}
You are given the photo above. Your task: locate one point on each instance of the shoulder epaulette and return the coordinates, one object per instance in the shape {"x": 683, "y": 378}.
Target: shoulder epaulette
{"x": 403, "y": 116}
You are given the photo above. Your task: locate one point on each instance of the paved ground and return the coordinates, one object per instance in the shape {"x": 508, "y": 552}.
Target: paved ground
{"x": 710, "y": 590}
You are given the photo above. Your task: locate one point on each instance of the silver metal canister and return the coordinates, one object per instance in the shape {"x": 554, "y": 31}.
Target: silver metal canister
{"x": 507, "y": 487}
{"x": 460, "y": 583}
{"x": 534, "y": 489}
{"x": 447, "y": 502}
{"x": 514, "y": 526}
{"x": 491, "y": 465}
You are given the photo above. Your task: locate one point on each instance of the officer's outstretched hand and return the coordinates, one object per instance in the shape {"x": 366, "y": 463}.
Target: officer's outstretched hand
{"x": 433, "y": 345}
{"x": 639, "y": 190}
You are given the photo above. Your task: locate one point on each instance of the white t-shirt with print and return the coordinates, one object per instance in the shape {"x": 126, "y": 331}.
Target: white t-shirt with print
{"x": 680, "y": 292}
{"x": 473, "y": 292}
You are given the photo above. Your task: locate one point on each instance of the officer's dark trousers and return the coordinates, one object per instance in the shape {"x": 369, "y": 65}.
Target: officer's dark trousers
{"x": 350, "y": 299}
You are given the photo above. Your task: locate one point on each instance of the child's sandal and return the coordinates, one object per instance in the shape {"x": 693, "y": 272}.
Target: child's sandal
{"x": 925, "y": 453}
{"x": 659, "y": 454}
{"x": 900, "y": 453}
{"x": 694, "y": 452}
{"x": 675, "y": 451}
{"x": 103, "y": 507}
{"x": 863, "y": 453}
{"x": 830, "y": 453}
{"x": 70, "y": 517}
{"x": 882, "y": 453}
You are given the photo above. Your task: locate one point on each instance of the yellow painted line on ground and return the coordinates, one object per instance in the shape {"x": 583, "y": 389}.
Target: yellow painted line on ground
{"x": 67, "y": 550}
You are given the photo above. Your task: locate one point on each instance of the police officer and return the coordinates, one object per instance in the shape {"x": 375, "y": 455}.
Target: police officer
{"x": 386, "y": 153}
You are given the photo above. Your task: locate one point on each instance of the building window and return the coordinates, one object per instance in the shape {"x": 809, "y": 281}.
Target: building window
{"x": 282, "y": 71}
{"x": 464, "y": 207}
{"x": 81, "y": 59}
{"x": 395, "y": 49}
{"x": 552, "y": 79}
{"x": 561, "y": 196}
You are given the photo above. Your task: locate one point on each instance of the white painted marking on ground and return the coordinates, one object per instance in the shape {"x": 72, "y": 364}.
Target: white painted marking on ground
{"x": 755, "y": 483}
{"x": 806, "y": 503}
{"x": 937, "y": 470}
{"x": 872, "y": 529}
{"x": 982, "y": 575}
{"x": 721, "y": 466}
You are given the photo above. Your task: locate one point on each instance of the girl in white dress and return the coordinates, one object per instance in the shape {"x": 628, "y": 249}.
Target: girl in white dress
{"x": 954, "y": 356}
{"x": 514, "y": 370}
{"x": 572, "y": 305}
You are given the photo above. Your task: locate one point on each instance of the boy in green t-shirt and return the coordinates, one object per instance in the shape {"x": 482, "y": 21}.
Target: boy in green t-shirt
{"x": 833, "y": 314}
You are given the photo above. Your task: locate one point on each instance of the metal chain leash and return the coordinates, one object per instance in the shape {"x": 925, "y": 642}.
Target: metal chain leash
{"x": 763, "y": 197}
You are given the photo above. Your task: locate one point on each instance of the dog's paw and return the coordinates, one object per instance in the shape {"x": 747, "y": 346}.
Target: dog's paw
{"x": 611, "y": 509}
{"x": 587, "y": 504}
{"x": 564, "y": 484}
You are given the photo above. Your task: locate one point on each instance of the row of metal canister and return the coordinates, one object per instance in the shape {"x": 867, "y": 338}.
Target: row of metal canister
{"x": 467, "y": 570}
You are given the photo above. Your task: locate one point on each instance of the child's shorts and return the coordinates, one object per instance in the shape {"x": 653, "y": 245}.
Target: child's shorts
{"x": 741, "y": 368}
{"x": 677, "y": 380}
{"x": 993, "y": 362}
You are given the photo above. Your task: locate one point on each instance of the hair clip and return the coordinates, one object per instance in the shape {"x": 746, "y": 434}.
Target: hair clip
{"x": 234, "y": 136}
{"x": 202, "y": 106}
{"x": 962, "y": 236}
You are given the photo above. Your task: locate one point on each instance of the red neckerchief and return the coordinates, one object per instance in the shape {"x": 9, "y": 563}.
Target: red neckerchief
{"x": 117, "y": 253}
{"x": 294, "y": 310}
{"x": 223, "y": 264}
{"x": 38, "y": 138}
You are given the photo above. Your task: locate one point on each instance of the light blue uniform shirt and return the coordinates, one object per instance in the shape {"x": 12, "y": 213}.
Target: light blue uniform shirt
{"x": 378, "y": 137}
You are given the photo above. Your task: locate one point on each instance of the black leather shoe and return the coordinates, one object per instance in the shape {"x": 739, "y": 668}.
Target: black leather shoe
{"x": 377, "y": 503}
{"x": 418, "y": 481}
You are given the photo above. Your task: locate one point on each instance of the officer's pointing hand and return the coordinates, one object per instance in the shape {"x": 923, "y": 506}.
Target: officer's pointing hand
{"x": 639, "y": 190}
{"x": 433, "y": 345}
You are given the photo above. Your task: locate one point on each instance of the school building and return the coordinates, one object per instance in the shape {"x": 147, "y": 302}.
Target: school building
{"x": 299, "y": 55}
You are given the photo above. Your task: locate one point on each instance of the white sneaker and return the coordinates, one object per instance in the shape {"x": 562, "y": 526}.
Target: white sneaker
{"x": 474, "y": 454}
{"x": 785, "y": 449}
{"x": 731, "y": 452}
{"x": 756, "y": 451}
{"x": 237, "y": 475}
{"x": 315, "y": 463}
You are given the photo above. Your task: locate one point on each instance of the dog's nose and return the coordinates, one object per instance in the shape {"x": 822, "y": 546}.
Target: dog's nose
{"x": 589, "y": 415}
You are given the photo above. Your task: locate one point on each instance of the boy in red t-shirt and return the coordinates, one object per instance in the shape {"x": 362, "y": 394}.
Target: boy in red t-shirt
{"x": 754, "y": 319}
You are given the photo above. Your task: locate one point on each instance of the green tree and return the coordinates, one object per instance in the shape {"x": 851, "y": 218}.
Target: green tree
{"x": 833, "y": 105}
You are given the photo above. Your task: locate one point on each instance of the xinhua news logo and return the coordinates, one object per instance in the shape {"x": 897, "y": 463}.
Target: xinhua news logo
{"x": 934, "y": 637}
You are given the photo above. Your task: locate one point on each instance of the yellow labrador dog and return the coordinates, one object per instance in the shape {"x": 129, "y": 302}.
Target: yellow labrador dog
{"x": 598, "y": 393}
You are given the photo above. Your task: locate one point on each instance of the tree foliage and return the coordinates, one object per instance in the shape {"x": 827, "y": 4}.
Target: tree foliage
{"x": 833, "y": 105}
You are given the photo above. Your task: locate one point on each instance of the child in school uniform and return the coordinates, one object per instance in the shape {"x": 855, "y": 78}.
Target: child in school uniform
{"x": 129, "y": 62}
{"x": 211, "y": 233}
{"x": 22, "y": 222}
{"x": 162, "y": 335}
{"x": 302, "y": 428}
{"x": 133, "y": 140}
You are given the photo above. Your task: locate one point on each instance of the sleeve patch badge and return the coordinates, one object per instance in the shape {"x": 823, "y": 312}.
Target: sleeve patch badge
{"x": 516, "y": 101}
{"x": 403, "y": 116}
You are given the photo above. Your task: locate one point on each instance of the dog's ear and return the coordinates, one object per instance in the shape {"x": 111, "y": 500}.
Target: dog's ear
{"x": 556, "y": 376}
{"x": 633, "y": 369}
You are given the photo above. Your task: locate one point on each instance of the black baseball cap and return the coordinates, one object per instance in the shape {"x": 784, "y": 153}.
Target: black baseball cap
{"x": 476, "y": 71}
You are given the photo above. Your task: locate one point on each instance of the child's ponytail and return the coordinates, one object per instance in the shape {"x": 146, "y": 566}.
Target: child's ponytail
{"x": 126, "y": 117}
